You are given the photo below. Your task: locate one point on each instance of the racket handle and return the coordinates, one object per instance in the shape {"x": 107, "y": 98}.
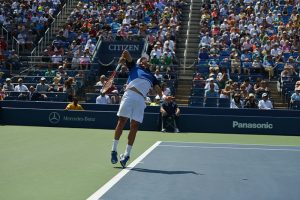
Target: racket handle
{"x": 118, "y": 67}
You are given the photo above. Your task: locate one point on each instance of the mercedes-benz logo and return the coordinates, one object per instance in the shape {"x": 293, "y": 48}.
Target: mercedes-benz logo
{"x": 54, "y": 117}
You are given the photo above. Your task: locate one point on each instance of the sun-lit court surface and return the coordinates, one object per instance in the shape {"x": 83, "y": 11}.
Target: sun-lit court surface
{"x": 74, "y": 164}
{"x": 177, "y": 170}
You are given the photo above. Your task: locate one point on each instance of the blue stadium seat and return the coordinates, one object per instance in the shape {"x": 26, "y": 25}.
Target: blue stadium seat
{"x": 224, "y": 103}
{"x": 211, "y": 102}
{"x": 199, "y": 92}
{"x": 196, "y": 101}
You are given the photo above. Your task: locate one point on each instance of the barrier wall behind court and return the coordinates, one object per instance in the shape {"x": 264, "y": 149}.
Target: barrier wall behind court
{"x": 202, "y": 122}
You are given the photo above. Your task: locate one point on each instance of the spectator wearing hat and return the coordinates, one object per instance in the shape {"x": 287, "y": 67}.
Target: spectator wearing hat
{"x": 251, "y": 102}
{"x": 236, "y": 102}
{"x": 21, "y": 87}
{"x": 170, "y": 110}
{"x": 61, "y": 72}
{"x": 265, "y": 103}
{"x": 8, "y": 86}
{"x": 42, "y": 86}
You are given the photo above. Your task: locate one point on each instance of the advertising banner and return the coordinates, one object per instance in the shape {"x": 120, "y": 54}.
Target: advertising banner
{"x": 109, "y": 50}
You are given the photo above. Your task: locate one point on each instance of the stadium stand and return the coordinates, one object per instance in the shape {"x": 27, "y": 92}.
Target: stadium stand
{"x": 240, "y": 44}
{"x": 249, "y": 40}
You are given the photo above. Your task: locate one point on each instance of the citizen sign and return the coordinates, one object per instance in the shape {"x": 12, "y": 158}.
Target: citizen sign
{"x": 54, "y": 118}
{"x": 267, "y": 125}
{"x": 122, "y": 47}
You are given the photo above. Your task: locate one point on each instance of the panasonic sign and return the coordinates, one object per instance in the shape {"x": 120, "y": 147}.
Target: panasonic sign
{"x": 267, "y": 125}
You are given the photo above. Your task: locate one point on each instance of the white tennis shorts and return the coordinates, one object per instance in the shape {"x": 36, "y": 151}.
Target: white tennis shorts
{"x": 132, "y": 106}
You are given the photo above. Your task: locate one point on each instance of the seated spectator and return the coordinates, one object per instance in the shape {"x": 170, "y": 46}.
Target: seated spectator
{"x": 69, "y": 89}
{"x": 49, "y": 71}
{"x": 74, "y": 105}
{"x": 13, "y": 61}
{"x": 165, "y": 61}
{"x": 61, "y": 72}
{"x": 102, "y": 81}
{"x": 103, "y": 99}
{"x": 213, "y": 65}
{"x": 265, "y": 103}
{"x": 36, "y": 96}
{"x": 226, "y": 92}
{"x": 42, "y": 86}
{"x": 157, "y": 75}
{"x": 256, "y": 65}
{"x": 246, "y": 59}
{"x": 165, "y": 90}
{"x": 251, "y": 102}
{"x": 3, "y": 48}
{"x": 211, "y": 81}
{"x": 198, "y": 80}
{"x": 123, "y": 73}
{"x": 85, "y": 61}
{"x": 21, "y": 87}
{"x": 8, "y": 86}
{"x": 236, "y": 102}
{"x": 235, "y": 64}
{"x": 261, "y": 88}
{"x": 2, "y": 93}
{"x": 75, "y": 63}
{"x": 169, "y": 109}
{"x": 296, "y": 95}
{"x": 268, "y": 66}
{"x": 168, "y": 75}
{"x": 57, "y": 58}
{"x": 286, "y": 74}
{"x": 222, "y": 78}
{"x": 203, "y": 54}
{"x": 243, "y": 91}
{"x": 211, "y": 92}
{"x": 56, "y": 85}
{"x": 248, "y": 85}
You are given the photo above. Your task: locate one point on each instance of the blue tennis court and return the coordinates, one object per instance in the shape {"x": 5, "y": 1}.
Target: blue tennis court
{"x": 176, "y": 170}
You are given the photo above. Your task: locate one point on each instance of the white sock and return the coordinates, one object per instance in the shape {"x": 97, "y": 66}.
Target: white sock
{"x": 127, "y": 150}
{"x": 115, "y": 145}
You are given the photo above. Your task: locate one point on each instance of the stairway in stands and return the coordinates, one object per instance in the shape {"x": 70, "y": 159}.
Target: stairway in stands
{"x": 59, "y": 23}
{"x": 187, "y": 49}
{"x": 277, "y": 99}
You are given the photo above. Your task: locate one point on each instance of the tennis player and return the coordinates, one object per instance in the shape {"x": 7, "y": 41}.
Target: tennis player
{"x": 132, "y": 105}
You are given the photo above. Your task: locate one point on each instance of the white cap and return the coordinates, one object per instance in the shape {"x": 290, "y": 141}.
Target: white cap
{"x": 264, "y": 94}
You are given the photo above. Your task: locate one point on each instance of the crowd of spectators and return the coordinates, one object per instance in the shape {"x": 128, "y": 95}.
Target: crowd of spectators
{"x": 248, "y": 38}
{"x": 73, "y": 47}
{"x": 28, "y": 20}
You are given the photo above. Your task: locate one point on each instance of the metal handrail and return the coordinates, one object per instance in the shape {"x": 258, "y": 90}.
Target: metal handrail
{"x": 51, "y": 30}
{"x": 4, "y": 33}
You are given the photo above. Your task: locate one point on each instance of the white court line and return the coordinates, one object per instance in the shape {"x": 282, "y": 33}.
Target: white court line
{"x": 267, "y": 145}
{"x": 233, "y": 148}
{"x": 101, "y": 191}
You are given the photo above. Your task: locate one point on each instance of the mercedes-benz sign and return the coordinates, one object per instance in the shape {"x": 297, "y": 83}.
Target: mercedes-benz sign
{"x": 54, "y": 117}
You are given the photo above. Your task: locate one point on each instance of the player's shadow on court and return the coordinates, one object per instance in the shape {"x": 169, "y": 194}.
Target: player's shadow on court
{"x": 168, "y": 172}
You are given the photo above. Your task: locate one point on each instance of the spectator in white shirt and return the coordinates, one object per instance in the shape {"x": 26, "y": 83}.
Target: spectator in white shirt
{"x": 20, "y": 87}
{"x": 265, "y": 103}
{"x": 103, "y": 99}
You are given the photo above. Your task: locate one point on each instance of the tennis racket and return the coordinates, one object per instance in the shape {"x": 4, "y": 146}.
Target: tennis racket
{"x": 109, "y": 83}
